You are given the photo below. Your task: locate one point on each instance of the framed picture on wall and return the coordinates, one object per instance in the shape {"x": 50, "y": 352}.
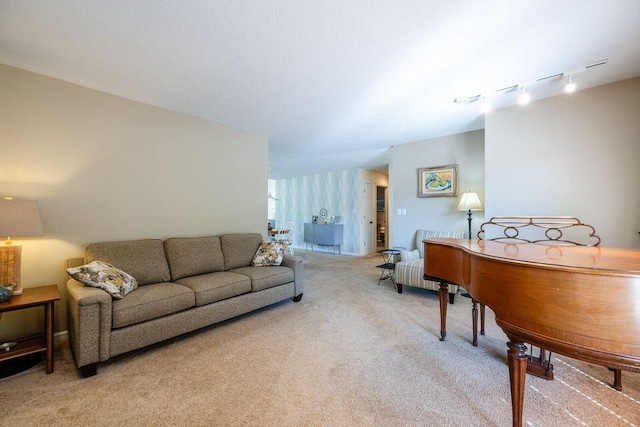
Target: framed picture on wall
{"x": 438, "y": 181}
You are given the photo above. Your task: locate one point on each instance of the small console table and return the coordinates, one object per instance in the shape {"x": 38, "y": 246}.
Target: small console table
{"x": 44, "y": 296}
{"x": 324, "y": 235}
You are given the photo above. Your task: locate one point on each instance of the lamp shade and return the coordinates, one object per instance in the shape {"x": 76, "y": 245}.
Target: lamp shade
{"x": 20, "y": 218}
{"x": 470, "y": 201}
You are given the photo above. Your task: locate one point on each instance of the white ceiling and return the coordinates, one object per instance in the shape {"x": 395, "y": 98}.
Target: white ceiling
{"x": 332, "y": 84}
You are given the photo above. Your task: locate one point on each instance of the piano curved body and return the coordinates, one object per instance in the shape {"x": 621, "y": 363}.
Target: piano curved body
{"x": 583, "y": 302}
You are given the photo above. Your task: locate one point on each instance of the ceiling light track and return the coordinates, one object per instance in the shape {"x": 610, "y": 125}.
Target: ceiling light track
{"x": 570, "y": 87}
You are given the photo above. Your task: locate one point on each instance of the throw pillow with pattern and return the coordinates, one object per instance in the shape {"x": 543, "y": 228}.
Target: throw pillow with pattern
{"x": 269, "y": 253}
{"x": 99, "y": 274}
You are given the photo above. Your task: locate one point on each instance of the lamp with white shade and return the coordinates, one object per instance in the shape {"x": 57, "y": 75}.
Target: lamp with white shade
{"x": 470, "y": 202}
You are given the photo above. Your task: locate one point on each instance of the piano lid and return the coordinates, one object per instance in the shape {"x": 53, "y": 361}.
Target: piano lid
{"x": 616, "y": 260}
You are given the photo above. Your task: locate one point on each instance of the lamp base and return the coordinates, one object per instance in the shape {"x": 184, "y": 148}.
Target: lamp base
{"x": 10, "y": 256}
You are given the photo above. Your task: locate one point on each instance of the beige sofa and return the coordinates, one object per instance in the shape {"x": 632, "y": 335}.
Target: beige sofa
{"x": 410, "y": 270}
{"x": 183, "y": 284}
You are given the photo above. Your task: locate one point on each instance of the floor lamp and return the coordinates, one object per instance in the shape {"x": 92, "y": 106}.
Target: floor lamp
{"x": 469, "y": 202}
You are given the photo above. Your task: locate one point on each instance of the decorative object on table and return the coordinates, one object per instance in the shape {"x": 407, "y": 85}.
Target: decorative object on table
{"x": 323, "y": 215}
{"x": 18, "y": 218}
{"x": 438, "y": 181}
{"x": 314, "y": 219}
{"x": 6, "y": 292}
{"x": 469, "y": 202}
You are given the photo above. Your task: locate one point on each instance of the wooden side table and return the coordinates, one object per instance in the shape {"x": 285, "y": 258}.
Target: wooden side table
{"x": 44, "y": 296}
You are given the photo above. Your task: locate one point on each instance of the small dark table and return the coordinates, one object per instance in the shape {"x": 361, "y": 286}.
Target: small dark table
{"x": 44, "y": 296}
{"x": 388, "y": 265}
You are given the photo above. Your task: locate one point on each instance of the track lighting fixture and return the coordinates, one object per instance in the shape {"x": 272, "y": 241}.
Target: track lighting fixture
{"x": 525, "y": 97}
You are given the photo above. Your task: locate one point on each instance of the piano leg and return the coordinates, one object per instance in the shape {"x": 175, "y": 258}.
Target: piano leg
{"x": 442, "y": 293}
{"x": 474, "y": 319}
{"x": 474, "y": 316}
{"x": 517, "y": 371}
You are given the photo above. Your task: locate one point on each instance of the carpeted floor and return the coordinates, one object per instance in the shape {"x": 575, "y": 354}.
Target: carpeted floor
{"x": 351, "y": 353}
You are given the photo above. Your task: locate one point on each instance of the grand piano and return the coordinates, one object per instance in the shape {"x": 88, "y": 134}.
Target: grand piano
{"x": 582, "y": 302}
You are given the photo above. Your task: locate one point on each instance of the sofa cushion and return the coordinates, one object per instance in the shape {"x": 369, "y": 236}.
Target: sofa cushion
{"x": 150, "y": 302}
{"x": 193, "y": 256}
{"x": 269, "y": 253}
{"x": 214, "y": 287}
{"x": 410, "y": 272}
{"x": 266, "y": 277}
{"x": 143, "y": 259}
{"x": 239, "y": 249}
{"x": 98, "y": 274}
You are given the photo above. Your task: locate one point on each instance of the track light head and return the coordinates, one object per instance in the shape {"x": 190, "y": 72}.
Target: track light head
{"x": 571, "y": 86}
{"x": 524, "y": 97}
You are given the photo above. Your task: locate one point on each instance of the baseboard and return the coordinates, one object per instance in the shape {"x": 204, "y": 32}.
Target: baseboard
{"x": 60, "y": 337}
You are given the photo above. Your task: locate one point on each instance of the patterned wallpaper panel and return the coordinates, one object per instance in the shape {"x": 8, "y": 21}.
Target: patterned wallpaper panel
{"x": 303, "y": 197}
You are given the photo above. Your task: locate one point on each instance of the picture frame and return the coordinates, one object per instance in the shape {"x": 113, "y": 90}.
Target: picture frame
{"x": 438, "y": 181}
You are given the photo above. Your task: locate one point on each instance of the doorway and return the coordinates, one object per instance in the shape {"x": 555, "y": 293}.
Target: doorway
{"x": 381, "y": 217}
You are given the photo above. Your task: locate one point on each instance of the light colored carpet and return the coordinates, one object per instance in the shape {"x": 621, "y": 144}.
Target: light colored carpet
{"x": 351, "y": 353}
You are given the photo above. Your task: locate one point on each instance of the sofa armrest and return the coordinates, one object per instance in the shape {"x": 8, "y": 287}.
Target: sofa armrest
{"x": 295, "y": 263}
{"x": 88, "y": 322}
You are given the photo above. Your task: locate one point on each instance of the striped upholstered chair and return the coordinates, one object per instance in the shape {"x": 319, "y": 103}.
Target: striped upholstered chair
{"x": 410, "y": 270}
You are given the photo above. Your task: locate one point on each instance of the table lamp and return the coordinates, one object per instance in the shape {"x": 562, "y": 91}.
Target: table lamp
{"x": 469, "y": 202}
{"x": 18, "y": 218}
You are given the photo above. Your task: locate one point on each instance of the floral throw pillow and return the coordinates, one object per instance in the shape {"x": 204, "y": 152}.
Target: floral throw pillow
{"x": 269, "y": 253}
{"x": 99, "y": 274}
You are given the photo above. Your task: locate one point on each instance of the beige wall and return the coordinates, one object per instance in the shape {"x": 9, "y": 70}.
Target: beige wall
{"x": 434, "y": 213}
{"x": 573, "y": 155}
{"x": 106, "y": 168}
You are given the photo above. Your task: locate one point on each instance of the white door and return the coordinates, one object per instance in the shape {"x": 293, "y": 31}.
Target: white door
{"x": 367, "y": 219}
